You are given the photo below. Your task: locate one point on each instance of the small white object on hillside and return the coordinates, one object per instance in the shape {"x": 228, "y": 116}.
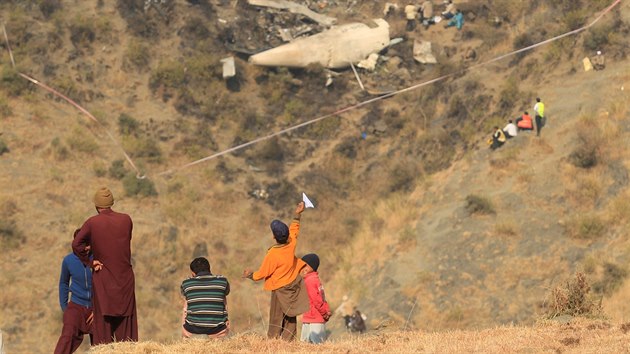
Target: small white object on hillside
{"x": 307, "y": 202}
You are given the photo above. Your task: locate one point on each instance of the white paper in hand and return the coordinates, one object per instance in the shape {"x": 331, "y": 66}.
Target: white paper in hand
{"x": 307, "y": 202}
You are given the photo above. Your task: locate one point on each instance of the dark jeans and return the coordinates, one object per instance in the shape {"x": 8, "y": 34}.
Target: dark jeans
{"x": 496, "y": 143}
{"x": 539, "y": 124}
{"x": 411, "y": 25}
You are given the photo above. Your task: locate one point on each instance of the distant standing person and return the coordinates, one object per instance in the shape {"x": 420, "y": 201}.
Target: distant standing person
{"x": 426, "y": 14}
{"x": 411, "y": 13}
{"x": 114, "y": 300}
{"x": 75, "y": 279}
{"x": 281, "y": 271}
{"x": 314, "y": 321}
{"x": 205, "y": 302}
{"x": 539, "y": 110}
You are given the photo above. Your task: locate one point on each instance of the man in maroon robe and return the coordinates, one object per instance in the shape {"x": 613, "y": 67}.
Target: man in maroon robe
{"x": 114, "y": 300}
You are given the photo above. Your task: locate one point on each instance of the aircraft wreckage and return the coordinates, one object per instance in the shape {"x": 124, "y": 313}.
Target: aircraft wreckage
{"x": 335, "y": 48}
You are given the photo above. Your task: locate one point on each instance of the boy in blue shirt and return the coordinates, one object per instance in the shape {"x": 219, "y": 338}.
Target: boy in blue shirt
{"x": 75, "y": 279}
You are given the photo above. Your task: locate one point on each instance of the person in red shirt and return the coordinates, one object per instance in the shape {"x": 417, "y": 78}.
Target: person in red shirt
{"x": 524, "y": 122}
{"x": 280, "y": 270}
{"x": 108, "y": 234}
{"x": 313, "y": 321}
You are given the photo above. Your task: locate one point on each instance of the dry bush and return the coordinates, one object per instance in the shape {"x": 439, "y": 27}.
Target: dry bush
{"x": 12, "y": 83}
{"x": 476, "y": 204}
{"x": 4, "y": 148}
{"x": 82, "y": 32}
{"x": 59, "y": 150}
{"x": 506, "y": 228}
{"x": 573, "y": 299}
{"x": 137, "y": 55}
{"x": 586, "y": 227}
{"x": 138, "y": 187}
{"x": 5, "y": 109}
{"x": 81, "y": 142}
{"x": 590, "y": 141}
{"x": 612, "y": 278}
{"x": 587, "y": 190}
{"x": 128, "y": 125}
{"x": 48, "y": 7}
{"x": 117, "y": 169}
{"x": 144, "y": 147}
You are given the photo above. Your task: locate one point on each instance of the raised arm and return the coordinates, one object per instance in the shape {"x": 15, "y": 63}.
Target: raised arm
{"x": 80, "y": 242}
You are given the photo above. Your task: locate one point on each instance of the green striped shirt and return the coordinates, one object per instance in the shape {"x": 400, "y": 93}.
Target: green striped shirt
{"x": 205, "y": 298}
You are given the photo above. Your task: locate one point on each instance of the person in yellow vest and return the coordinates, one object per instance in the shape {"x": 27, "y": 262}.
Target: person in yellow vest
{"x": 539, "y": 110}
{"x": 498, "y": 138}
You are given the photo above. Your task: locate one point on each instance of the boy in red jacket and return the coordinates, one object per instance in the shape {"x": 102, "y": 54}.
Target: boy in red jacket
{"x": 313, "y": 321}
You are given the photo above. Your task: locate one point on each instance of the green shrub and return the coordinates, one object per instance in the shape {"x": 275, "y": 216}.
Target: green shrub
{"x": 134, "y": 186}
{"x": 169, "y": 74}
{"x": 79, "y": 141}
{"x": 402, "y": 177}
{"x": 137, "y": 55}
{"x": 476, "y": 204}
{"x": 596, "y": 38}
{"x": 573, "y": 299}
{"x": 117, "y": 170}
{"x": 612, "y": 279}
{"x": 3, "y": 147}
{"x": 48, "y": 7}
{"x": 82, "y": 32}
{"x": 128, "y": 125}
{"x": 100, "y": 170}
{"x": 143, "y": 147}
{"x": 13, "y": 83}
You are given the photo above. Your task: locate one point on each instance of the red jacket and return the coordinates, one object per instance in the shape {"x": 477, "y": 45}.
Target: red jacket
{"x": 319, "y": 306}
{"x": 526, "y": 123}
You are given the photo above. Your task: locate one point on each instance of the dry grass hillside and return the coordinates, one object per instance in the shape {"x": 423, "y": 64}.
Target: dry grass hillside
{"x": 418, "y": 223}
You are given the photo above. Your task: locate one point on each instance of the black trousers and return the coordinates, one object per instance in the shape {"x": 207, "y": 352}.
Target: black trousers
{"x": 539, "y": 124}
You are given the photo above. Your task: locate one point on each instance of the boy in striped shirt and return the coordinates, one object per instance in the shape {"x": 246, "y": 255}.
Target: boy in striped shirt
{"x": 205, "y": 306}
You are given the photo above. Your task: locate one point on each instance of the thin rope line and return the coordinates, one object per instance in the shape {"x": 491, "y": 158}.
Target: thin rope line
{"x": 73, "y": 103}
{"x": 6, "y": 39}
{"x": 407, "y": 89}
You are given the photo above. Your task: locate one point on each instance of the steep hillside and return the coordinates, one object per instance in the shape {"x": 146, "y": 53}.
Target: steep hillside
{"x": 391, "y": 223}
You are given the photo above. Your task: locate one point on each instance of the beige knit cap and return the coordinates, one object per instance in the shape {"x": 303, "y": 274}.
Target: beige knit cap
{"x": 103, "y": 198}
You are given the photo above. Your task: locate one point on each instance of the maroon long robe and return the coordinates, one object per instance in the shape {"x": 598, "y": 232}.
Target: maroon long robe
{"x": 114, "y": 299}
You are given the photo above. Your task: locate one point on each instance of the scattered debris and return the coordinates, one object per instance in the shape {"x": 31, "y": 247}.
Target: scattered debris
{"x": 259, "y": 193}
{"x": 587, "y": 64}
{"x": 296, "y": 9}
{"x": 334, "y": 49}
{"x": 470, "y": 54}
{"x": 357, "y": 76}
{"x": 389, "y": 8}
{"x": 422, "y": 52}
{"x": 369, "y": 63}
{"x": 229, "y": 68}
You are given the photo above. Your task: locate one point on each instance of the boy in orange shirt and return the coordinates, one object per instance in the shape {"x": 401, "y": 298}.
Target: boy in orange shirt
{"x": 281, "y": 271}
